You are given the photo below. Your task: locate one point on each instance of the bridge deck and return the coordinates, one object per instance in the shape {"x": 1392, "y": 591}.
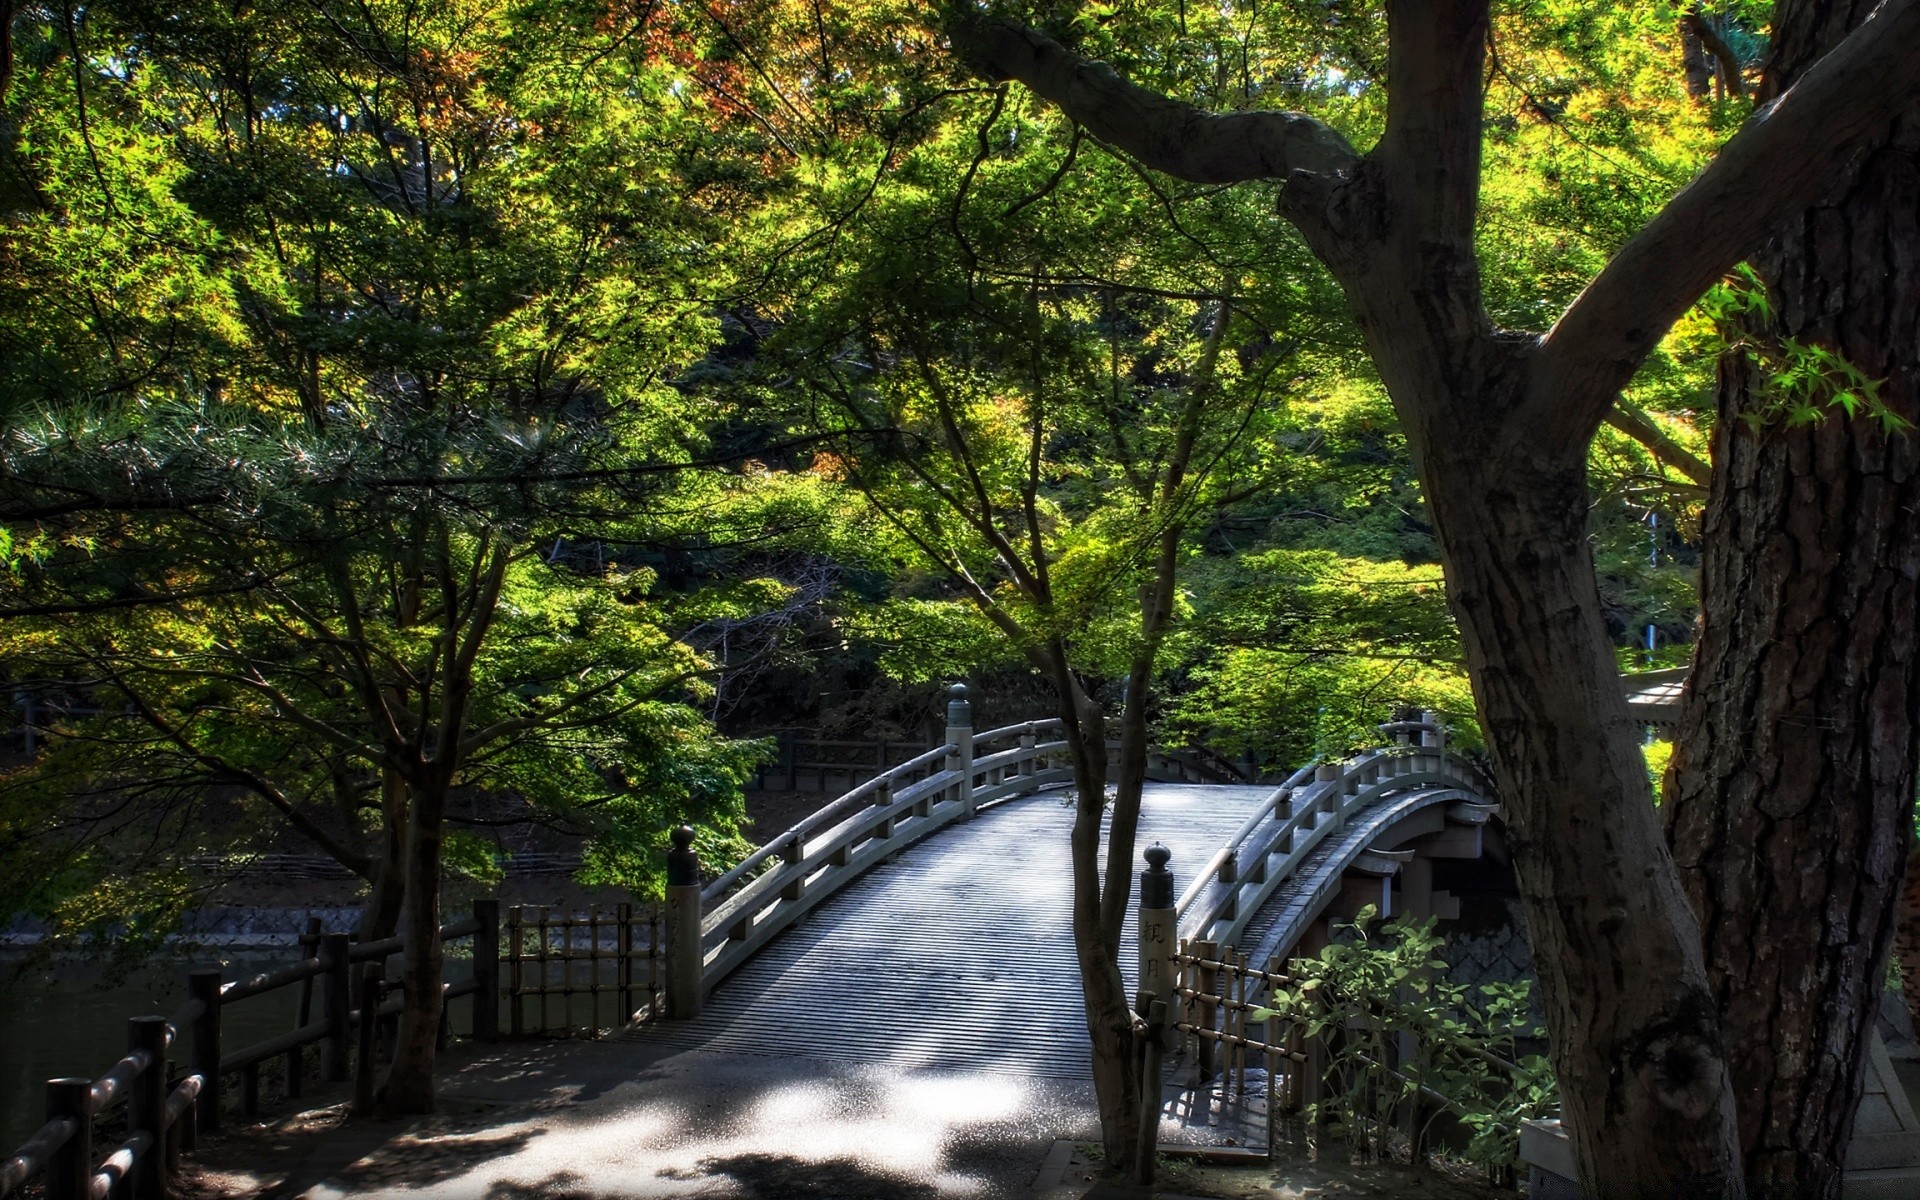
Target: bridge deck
{"x": 957, "y": 954}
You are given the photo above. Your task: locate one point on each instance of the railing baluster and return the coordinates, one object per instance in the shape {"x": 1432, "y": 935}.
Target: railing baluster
{"x": 204, "y": 986}
{"x": 70, "y": 1168}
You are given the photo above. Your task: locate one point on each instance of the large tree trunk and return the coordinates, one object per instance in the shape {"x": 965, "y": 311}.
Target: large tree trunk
{"x": 380, "y": 915}
{"x": 1791, "y": 791}
{"x": 1634, "y": 1038}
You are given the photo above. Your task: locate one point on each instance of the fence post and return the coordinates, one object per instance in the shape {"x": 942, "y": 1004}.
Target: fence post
{"x": 516, "y": 950}
{"x": 1147, "y": 1148}
{"x": 204, "y": 986}
{"x": 336, "y": 998}
{"x": 1207, "y": 982}
{"x": 960, "y": 734}
{"x": 623, "y": 973}
{"x": 70, "y": 1168}
{"x": 486, "y": 970}
{"x": 683, "y": 927}
{"x": 180, "y": 1134}
{"x": 147, "y": 1105}
{"x": 296, "y": 1058}
{"x": 372, "y": 985}
{"x": 1159, "y": 974}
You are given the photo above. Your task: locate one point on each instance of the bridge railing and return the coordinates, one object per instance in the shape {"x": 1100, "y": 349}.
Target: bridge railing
{"x": 770, "y": 889}
{"x": 1301, "y": 813}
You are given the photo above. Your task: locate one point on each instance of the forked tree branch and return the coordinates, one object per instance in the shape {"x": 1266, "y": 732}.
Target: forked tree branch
{"x": 1167, "y": 135}
{"x": 1787, "y": 155}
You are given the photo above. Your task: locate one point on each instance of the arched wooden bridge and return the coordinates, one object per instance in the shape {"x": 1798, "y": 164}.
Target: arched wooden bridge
{"x": 922, "y": 918}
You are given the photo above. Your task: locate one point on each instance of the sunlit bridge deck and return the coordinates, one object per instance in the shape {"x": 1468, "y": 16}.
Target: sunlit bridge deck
{"x": 956, "y": 954}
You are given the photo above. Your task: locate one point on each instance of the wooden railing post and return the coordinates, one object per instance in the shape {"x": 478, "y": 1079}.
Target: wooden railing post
{"x": 683, "y": 927}
{"x": 516, "y": 952}
{"x": 296, "y": 1058}
{"x": 336, "y": 997}
{"x": 1330, "y": 773}
{"x": 960, "y": 735}
{"x": 1154, "y": 1011}
{"x": 180, "y": 1133}
{"x": 1159, "y": 977}
{"x": 1207, "y": 983}
{"x": 70, "y": 1168}
{"x": 147, "y": 1105}
{"x": 1434, "y": 739}
{"x": 204, "y": 986}
{"x": 372, "y": 987}
{"x": 486, "y": 970}
{"x": 623, "y": 973}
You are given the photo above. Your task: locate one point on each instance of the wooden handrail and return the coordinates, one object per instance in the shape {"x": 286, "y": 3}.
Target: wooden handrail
{"x": 31, "y": 1158}
{"x": 1286, "y": 791}
{"x": 242, "y": 989}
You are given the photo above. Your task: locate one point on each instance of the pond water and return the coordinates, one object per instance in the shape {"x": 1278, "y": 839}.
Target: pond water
{"x": 67, "y": 1018}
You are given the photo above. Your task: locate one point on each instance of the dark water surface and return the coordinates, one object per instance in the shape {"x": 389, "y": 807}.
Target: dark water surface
{"x": 63, "y": 1019}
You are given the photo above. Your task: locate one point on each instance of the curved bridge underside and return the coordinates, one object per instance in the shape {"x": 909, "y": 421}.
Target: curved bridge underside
{"x": 958, "y": 953}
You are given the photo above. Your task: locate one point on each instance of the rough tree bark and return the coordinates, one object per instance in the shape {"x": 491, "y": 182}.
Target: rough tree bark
{"x": 1499, "y": 423}
{"x": 1790, "y": 796}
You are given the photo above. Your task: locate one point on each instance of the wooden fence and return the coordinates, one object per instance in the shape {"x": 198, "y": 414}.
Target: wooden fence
{"x": 165, "y": 1113}
{"x": 813, "y": 765}
{"x": 558, "y": 956}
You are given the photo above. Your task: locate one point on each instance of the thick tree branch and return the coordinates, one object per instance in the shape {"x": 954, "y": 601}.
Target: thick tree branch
{"x": 1788, "y": 155}
{"x": 1167, "y": 135}
{"x": 1432, "y": 142}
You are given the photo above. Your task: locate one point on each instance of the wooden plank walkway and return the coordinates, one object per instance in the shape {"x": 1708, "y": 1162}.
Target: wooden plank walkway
{"x": 957, "y": 954}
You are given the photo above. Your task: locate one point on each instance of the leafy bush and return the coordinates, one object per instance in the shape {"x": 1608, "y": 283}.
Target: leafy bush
{"x": 1358, "y": 996}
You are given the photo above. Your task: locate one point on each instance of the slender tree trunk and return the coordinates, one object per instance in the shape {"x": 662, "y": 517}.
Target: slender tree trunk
{"x": 408, "y": 1087}
{"x": 1116, "y": 1072}
{"x": 1791, "y": 791}
{"x": 380, "y": 915}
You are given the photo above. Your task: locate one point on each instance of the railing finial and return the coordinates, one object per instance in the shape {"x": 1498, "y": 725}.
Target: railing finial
{"x": 683, "y": 864}
{"x": 959, "y": 707}
{"x": 1156, "y": 882}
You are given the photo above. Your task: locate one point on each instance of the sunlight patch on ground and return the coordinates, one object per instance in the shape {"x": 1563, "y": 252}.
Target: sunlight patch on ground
{"x": 878, "y": 1124}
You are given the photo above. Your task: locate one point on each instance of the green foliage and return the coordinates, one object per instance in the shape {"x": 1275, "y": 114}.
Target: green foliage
{"x": 1377, "y": 982}
{"x": 1302, "y": 652}
{"x": 1799, "y": 382}
{"x": 1658, "y": 754}
{"x": 325, "y": 334}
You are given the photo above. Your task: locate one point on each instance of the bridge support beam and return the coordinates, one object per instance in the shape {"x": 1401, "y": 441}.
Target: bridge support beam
{"x": 683, "y": 959}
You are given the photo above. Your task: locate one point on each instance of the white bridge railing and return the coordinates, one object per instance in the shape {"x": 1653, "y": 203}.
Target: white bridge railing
{"x": 1313, "y": 804}
{"x": 723, "y": 923}
{"x": 713, "y": 928}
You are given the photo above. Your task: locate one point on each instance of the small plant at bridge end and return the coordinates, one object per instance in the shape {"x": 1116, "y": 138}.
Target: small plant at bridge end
{"x": 1466, "y": 1079}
